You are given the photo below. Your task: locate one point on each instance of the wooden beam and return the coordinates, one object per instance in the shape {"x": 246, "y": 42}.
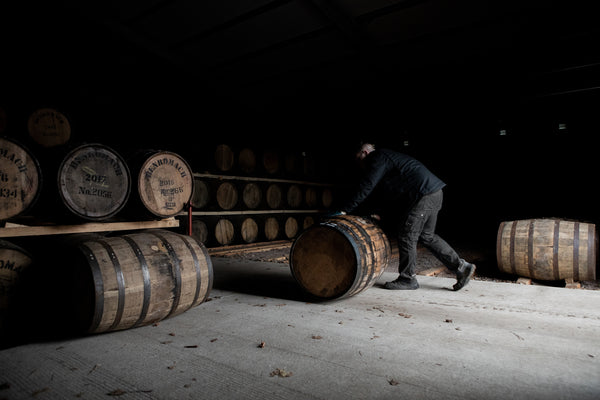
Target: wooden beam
{"x": 16, "y": 230}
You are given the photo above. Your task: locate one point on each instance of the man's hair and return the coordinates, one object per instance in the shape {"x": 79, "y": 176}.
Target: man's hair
{"x": 365, "y": 146}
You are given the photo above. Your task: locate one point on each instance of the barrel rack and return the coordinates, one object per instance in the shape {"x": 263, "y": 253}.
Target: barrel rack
{"x": 11, "y": 229}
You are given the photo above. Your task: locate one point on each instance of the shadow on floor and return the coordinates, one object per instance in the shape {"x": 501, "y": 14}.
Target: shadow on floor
{"x": 258, "y": 279}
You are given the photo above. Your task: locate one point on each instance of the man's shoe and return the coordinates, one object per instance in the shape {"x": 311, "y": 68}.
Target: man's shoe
{"x": 464, "y": 274}
{"x": 401, "y": 284}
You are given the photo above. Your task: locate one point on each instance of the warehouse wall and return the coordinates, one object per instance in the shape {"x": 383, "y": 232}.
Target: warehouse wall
{"x": 448, "y": 114}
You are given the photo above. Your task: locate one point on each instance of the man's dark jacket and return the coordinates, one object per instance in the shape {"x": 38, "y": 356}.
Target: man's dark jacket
{"x": 399, "y": 179}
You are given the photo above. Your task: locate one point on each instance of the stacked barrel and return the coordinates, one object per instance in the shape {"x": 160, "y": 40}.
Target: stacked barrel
{"x": 256, "y": 195}
{"x": 47, "y": 174}
{"x": 91, "y": 282}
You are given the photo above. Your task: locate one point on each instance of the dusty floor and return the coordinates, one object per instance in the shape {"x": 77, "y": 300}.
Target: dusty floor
{"x": 258, "y": 338}
{"x": 427, "y": 264}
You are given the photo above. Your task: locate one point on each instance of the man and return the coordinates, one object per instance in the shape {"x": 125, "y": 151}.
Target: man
{"x": 403, "y": 180}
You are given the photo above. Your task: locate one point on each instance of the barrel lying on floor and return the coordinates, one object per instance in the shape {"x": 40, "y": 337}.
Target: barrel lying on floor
{"x": 339, "y": 257}
{"x": 548, "y": 249}
{"x": 139, "y": 279}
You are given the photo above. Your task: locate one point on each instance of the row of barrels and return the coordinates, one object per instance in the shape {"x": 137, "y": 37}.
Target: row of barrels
{"x": 50, "y": 127}
{"x": 92, "y": 283}
{"x": 212, "y": 193}
{"x": 345, "y": 255}
{"x": 137, "y": 279}
{"x": 93, "y": 182}
{"x": 271, "y": 162}
{"x": 224, "y": 230}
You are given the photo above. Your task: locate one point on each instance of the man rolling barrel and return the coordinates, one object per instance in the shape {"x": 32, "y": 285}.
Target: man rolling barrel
{"x": 411, "y": 197}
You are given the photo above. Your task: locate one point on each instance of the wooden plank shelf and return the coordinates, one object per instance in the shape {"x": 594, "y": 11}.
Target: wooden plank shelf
{"x": 260, "y": 179}
{"x": 251, "y": 212}
{"x": 17, "y": 230}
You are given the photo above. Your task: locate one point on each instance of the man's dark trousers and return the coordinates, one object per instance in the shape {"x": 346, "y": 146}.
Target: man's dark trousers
{"x": 419, "y": 225}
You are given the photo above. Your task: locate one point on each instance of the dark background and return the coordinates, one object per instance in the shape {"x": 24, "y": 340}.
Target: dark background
{"x": 498, "y": 98}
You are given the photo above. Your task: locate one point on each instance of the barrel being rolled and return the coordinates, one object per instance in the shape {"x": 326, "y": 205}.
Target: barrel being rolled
{"x": 547, "y": 249}
{"x": 339, "y": 257}
{"x": 138, "y": 279}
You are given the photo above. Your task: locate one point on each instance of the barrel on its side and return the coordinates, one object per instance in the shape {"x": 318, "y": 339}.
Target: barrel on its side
{"x": 94, "y": 181}
{"x": 339, "y": 257}
{"x": 20, "y": 179}
{"x": 14, "y": 261}
{"x": 138, "y": 279}
{"x": 165, "y": 182}
{"x": 49, "y": 127}
{"x": 547, "y": 249}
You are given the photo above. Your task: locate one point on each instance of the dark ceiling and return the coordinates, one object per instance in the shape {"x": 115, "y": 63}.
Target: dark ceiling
{"x": 313, "y": 68}
{"x": 445, "y": 76}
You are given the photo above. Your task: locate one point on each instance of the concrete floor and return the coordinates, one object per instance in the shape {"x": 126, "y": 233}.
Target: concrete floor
{"x": 489, "y": 341}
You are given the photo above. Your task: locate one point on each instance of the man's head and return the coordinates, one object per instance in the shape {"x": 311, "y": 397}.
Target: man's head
{"x": 364, "y": 150}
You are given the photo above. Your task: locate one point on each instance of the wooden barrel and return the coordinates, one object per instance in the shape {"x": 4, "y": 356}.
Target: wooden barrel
{"x": 139, "y": 279}
{"x": 294, "y": 196}
{"x": 249, "y": 230}
{"x": 14, "y": 260}
{"x": 224, "y": 232}
{"x": 49, "y": 127}
{"x": 271, "y": 228}
{"x": 547, "y": 249}
{"x": 165, "y": 182}
{"x": 247, "y": 160}
{"x": 94, "y": 181}
{"x": 271, "y": 161}
{"x": 307, "y": 222}
{"x": 339, "y": 257}
{"x": 273, "y": 196}
{"x": 20, "y": 179}
{"x": 310, "y": 197}
{"x": 224, "y": 157}
{"x": 292, "y": 162}
{"x": 201, "y": 196}
{"x": 199, "y": 230}
{"x": 252, "y": 195}
{"x": 227, "y": 195}
{"x": 291, "y": 227}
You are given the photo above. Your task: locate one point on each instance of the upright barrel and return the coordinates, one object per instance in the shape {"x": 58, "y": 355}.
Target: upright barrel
{"x": 547, "y": 249}
{"x": 20, "y": 179}
{"x": 94, "y": 181}
{"x": 138, "y": 279}
{"x": 339, "y": 257}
